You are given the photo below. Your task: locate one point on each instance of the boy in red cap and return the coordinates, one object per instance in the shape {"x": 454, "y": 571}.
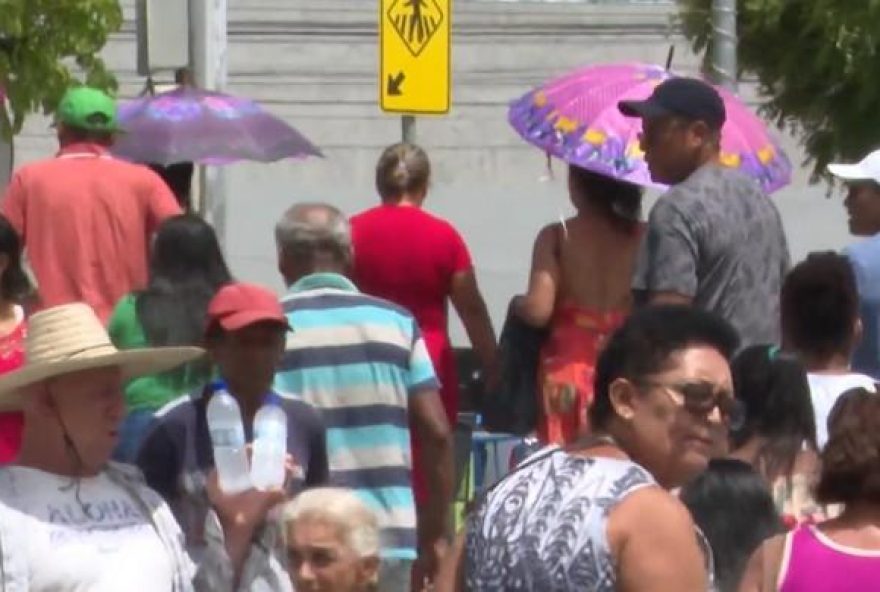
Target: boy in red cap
{"x": 245, "y": 337}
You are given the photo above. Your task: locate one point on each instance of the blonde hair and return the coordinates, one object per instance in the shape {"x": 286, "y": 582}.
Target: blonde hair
{"x": 403, "y": 168}
{"x": 342, "y": 508}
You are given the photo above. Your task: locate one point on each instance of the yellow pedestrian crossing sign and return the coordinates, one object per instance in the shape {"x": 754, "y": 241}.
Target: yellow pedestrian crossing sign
{"x": 414, "y": 75}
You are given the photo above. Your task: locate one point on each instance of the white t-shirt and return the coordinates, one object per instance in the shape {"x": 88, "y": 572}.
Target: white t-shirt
{"x": 93, "y": 537}
{"x": 825, "y": 389}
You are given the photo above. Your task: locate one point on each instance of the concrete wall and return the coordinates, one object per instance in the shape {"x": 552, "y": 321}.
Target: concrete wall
{"x": 314, "y": 63}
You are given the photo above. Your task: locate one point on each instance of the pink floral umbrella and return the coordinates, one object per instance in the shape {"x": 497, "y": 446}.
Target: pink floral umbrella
{"x": 575, "y": 118}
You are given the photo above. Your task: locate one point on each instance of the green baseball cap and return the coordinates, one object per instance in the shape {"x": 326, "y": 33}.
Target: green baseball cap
{"x": 88, "y": 109}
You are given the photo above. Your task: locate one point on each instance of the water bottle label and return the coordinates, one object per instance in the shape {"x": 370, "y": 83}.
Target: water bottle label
{"x": 227, "y": 438}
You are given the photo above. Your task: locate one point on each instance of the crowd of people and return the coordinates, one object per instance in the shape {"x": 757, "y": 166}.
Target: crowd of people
{"x": 706, "y": 412}
{"x": 715, "y": 431}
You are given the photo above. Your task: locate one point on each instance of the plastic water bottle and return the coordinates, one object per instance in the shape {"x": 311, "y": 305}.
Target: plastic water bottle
{"x": 227, "y": 438}
{"x": 270, "y": 445}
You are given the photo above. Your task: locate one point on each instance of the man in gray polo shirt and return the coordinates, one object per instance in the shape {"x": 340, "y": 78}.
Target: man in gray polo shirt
{"x": 714, "y": 240}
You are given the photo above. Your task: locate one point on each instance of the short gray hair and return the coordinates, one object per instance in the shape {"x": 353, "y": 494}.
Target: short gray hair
{"x": 310, "y": 228}
{"x": 341, "y": 508}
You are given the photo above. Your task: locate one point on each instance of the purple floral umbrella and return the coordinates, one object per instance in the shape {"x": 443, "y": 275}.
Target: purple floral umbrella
{"x": 575, "y": 118}
{"x": 191, "y": 125}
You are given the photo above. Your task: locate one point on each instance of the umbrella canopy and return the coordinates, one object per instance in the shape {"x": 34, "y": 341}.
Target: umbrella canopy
{"x": 191, "y": 125}
{"x": 575, "y": 118}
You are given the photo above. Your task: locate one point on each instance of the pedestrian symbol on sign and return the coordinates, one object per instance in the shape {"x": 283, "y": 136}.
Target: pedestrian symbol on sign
{"x": 415, "y": 21}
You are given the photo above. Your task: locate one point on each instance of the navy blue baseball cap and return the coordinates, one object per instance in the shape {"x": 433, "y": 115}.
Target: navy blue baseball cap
{"x": 688, "y": 98}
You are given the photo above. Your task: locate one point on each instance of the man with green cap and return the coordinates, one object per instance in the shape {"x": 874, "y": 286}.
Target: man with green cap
{"x": 85, "y": 217}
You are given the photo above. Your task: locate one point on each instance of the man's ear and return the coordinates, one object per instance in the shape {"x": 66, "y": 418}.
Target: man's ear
{"x": 622, "y": 394}
{"x": 37, "y": 399}
{"x": 858, "y": 332}
{"x": 282, "y": 262}
{"x": 369, "y": 571}
{"x": 700, "y": 134}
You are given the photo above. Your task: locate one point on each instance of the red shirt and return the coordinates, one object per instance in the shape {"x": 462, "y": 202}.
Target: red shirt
{"x": 86, "y": 219}
{"x": 406, "y": 255}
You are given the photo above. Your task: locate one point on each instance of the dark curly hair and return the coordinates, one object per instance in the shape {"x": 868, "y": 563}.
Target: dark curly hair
{"x": 646, "y": 341}
{"x": 820, "y": 305}
{"x": 851, "y": 459}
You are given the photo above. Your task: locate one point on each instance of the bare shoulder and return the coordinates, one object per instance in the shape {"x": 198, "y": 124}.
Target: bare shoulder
{"x": 650, "y": 507}
{"x": 762, "y": 571}
{"x": 548, "y": 233}
{"x": 654, "y": 543}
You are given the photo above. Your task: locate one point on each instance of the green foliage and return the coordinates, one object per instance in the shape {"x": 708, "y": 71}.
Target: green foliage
{"x": 45, "y": 45}
{"x": 818, "y": 64}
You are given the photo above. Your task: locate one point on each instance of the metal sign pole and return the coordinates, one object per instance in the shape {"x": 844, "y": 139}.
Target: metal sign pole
{"x": 209, "y": 57}
{"x": 408, "y": 123}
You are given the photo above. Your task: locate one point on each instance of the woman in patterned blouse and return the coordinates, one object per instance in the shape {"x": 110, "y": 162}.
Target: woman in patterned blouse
{"x": 598, "y": 516}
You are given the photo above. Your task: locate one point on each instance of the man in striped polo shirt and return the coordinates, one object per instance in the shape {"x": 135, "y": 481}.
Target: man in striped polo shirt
{"x": 362, "y": 362}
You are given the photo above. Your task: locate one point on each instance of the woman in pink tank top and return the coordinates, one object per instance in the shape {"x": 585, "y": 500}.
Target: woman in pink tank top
{"x": 814, "y": 562}
{"x": 842, "y": 554}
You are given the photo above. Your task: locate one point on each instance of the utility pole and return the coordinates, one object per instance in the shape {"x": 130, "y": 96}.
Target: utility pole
{"x": 208, "y": 57}
{"x": 7, "y": 154}
{"x": 724, "y": 65}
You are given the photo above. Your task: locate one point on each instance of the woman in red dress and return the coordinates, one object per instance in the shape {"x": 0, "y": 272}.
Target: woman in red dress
{"x": 579, "y": 288}
{"x": 14, "y": 288}
{"x": 419, "y": 261}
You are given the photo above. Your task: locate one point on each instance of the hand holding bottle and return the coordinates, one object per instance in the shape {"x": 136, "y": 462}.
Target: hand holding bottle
{"x": 247, "y": 510}
{"x": 242, "y": 514}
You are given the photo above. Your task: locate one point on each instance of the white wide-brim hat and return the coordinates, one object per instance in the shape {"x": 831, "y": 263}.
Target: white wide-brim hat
{"x": 71, "y": 338}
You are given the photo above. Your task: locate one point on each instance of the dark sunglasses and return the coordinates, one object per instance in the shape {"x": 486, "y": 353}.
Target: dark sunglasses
{"x": 701, "y": 398}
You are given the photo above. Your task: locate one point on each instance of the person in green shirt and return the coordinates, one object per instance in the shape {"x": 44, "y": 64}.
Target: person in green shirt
{"x": 186, "y": 269}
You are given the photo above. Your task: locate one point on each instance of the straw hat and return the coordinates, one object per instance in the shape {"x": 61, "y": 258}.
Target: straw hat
{"x": 70, "y": 338}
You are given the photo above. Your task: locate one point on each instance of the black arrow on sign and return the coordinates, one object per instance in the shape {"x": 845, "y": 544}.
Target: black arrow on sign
{"x": 394, "y": 83}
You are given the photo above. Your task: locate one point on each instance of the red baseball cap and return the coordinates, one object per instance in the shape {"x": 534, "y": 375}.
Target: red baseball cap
{"x": 238, "y": 305}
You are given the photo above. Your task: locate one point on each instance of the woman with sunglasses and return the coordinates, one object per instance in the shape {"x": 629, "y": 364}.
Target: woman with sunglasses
{"x": 778, "y": 436}
{"x": 598, "y": 515}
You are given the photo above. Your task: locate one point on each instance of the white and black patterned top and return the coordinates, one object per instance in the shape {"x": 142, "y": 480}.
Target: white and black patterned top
{"x": 543, "y": 528}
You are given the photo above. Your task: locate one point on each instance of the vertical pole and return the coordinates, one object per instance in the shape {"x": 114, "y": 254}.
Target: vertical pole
{"x": 208, "y": 47}
{"x": 7, "y": 154}
{"x": 408, "y": 123}
{"x": 724, "y": 43}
